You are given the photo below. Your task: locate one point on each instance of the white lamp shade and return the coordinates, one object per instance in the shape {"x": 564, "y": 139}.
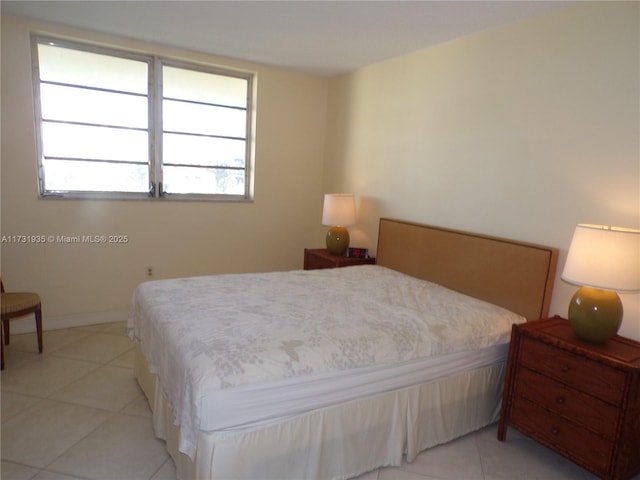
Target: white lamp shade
{"x": 604, "y": 257}
{"x": 339, "y": 209}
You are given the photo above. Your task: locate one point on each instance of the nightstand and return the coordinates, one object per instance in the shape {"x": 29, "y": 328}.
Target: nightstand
{"x": 315, "y": 258}
{"x": 581, "y": 400}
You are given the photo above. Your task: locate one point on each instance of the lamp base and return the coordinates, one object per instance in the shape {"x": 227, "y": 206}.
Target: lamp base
{"x": 595, "y": 315}
{"x": 337, "y": 240}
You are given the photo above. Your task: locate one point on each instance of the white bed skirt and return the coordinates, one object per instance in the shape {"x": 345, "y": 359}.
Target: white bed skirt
{"x": 340, "y": 441}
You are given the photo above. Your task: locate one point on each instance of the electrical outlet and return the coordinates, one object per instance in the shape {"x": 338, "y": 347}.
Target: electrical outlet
{"x": 149, "y": 272}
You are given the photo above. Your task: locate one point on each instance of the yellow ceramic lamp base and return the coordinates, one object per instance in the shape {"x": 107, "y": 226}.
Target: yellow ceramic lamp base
{"x": 595, "y": 315}
{"x": 337, "y": 240}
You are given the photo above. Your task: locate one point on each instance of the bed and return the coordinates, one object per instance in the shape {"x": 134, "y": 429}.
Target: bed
{"x": 333, "y": 373}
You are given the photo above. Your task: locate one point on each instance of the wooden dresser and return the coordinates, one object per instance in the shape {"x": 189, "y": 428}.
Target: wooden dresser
{"x": 579, "y": 399}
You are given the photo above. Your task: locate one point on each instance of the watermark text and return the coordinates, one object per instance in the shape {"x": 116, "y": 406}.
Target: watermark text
{"x": 65, "y": 239}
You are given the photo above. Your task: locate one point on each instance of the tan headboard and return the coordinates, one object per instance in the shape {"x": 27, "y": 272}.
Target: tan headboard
{"x": 515, "y": 275}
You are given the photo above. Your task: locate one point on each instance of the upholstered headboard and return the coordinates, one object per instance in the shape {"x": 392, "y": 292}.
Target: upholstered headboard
{"x": 515, "y": 275}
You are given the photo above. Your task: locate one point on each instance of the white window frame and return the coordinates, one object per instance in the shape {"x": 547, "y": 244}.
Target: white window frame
{"x": 155, "y": 128}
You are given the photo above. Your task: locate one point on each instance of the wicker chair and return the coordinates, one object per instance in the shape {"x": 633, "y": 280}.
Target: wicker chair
{"x": 15, "y": 305}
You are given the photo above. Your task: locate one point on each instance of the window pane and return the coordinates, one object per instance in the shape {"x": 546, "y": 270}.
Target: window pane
{"x": 204, "y": 87}
{"x": 99, "y": 143}
{"x": 91, "y": 106}
{"x": 203, "y": 180}
{"x": 206, "y": 151}
{"x": 203, "y": 119}
{"x": 103, "y": 128}
{"x": 77, "y": 67}
{"x": 63, "y": 175}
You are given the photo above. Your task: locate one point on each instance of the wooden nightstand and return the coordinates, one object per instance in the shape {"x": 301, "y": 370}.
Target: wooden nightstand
{"x": 579, "y": 399}
{"x": 315, "y": 258}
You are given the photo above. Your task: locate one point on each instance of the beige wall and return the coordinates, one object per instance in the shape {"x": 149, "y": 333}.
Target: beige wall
{"x": 522, "y": 132}
{"x": 175, "y": 238}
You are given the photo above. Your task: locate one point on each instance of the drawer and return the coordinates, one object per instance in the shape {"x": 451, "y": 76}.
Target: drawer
{"x": 315, "y": 264}
{"x": 578, "y": 372}
{"x": 590, "y": 412}
{"x": 562, "y": 435}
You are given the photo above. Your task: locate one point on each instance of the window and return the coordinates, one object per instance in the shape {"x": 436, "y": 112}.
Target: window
{"x": 114, "y": 124}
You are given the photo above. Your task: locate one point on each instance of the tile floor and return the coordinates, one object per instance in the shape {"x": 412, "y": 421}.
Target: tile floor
{"x": 76, "y": 412}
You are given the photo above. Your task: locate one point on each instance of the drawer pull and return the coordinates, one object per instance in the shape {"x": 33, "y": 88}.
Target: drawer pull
{"x": 564, "y": 368}
{"x": 555, "y": 431}
{"x": 560, "y": 400}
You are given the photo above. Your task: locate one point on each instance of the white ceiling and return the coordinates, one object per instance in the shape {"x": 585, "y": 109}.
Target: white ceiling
{"x": 319, "y": 37}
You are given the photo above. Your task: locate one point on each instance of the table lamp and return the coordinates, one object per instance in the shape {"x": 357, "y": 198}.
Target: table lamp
{"x": 339, "y": 211}
{"x": 603, "y": 260}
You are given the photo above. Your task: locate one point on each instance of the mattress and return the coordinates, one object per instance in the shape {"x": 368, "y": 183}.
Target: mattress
{"x": 233, "y": 352}
{"x": 255, "y": 405}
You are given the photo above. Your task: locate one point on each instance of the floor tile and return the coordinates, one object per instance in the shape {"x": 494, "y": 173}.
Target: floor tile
{"x": 368, "y": 476}
{"x": 41, "y": 433}
{"x": 14, "y": 403}
{"x": 166, "y": 472}
{"x": 25, "y": 342}
{"x": 98, "y": 347}
{"x": 107, "y": 388}
{"x": 139, "y": 407}
{"x": 522, "y": 458}
{"x": 46, "y": 475}
{"x": 14, "y": 357}
{"x": 123, "y": 447}
{"x": 113, "y": 328}
{"x": 397, "y": 474}
{"x": 458, "y": 459}
{"x": 13, "y": 471}
{"x": 52, "y": 340}
{"x": 44, "y": 375}
{"x": 126, "y": 360}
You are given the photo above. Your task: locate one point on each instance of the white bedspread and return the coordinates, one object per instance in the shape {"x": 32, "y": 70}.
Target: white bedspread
{"x": 208, "y": 335}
